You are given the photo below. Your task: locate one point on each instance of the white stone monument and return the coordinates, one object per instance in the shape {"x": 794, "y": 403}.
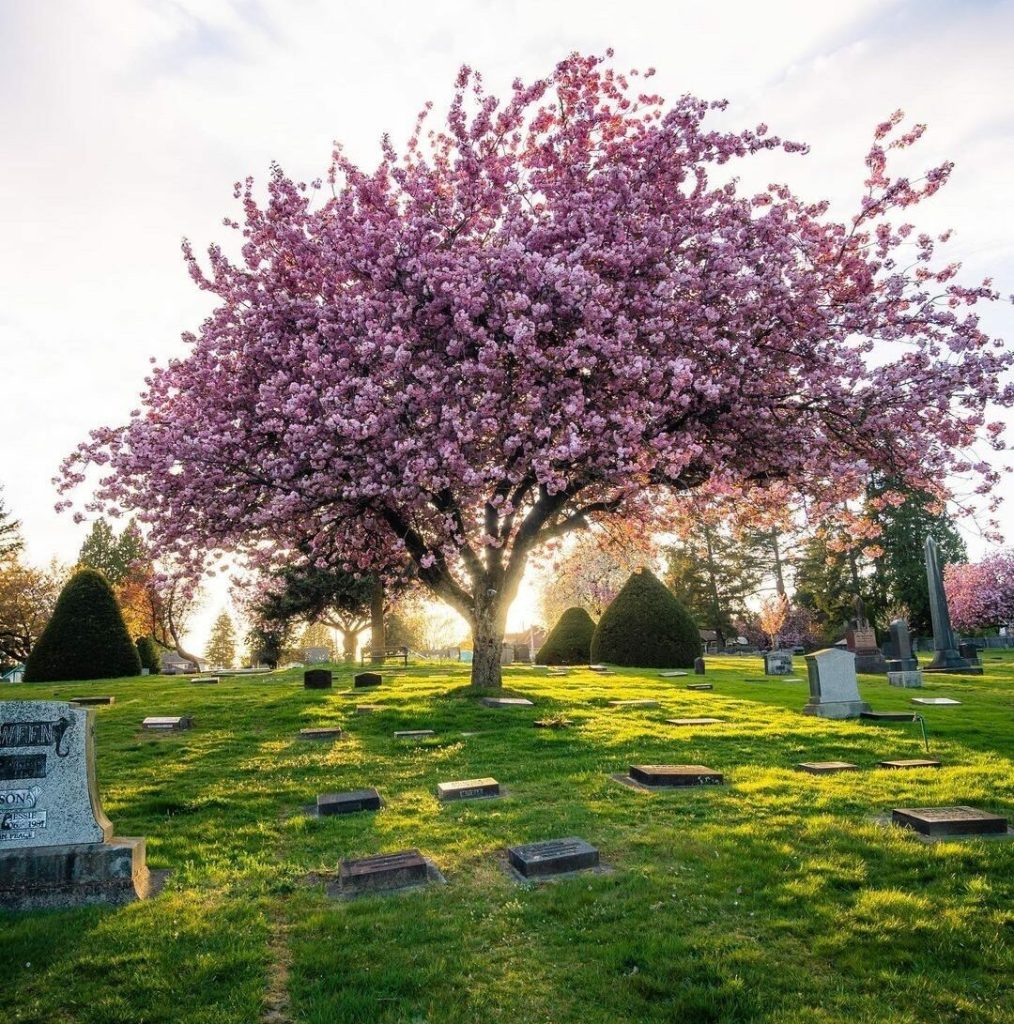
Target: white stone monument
{"x": 56, "y": 845}
{"x": 834, "y": 688}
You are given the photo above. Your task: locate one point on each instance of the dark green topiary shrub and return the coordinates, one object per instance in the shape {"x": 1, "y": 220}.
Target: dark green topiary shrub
{"x": 85, "y": 637}
{"x": 148, "y": 654}
{"x": 647, "y": 627}
{"x": 569, "y": 641}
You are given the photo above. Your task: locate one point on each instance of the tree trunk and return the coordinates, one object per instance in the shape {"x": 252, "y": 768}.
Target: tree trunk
{"x": 779, "y": 575}
{"x": 378, "y": 641}
{"x": 349, "y": 643}
{"x": 488, "y": 625}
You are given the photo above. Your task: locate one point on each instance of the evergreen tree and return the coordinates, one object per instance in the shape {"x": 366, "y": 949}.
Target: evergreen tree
{"x": 827, "y": 582}
{"x": 148, "y": 654}
{"x": 85, "y": 637}
{"x": 713, "y": 573}
{"x": 221, "y": 651}
{"x": 11, "y": 541}
{"x": 316, "y": 634}
{"x": 569, "y": 641}
{"x": 646, "y": 626}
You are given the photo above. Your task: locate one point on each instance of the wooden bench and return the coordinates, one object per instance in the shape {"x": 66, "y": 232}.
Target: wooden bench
{"x": 397, "y": 654}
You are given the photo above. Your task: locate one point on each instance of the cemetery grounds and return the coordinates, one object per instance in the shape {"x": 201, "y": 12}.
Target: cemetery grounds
{"x": 777, "y": 897}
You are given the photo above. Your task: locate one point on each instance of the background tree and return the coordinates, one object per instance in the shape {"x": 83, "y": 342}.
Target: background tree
{"x": 980, "y": 596}
{"x": 11, "y": 541}
{"x": 85, "y": 637}
{"x": 267, "y": 641}
{"x": 148, "y": 654}
{"x": 221, "y": 652}
{"x": 529, "y": 322}
{"x": 111, "y": 554}
{"x": 27, "y": 598}
{"x": 316, "y": 634}
{"x": 825, "y": 585}
{"x": 774, "y": 611}
{"x": 569, "y": 641}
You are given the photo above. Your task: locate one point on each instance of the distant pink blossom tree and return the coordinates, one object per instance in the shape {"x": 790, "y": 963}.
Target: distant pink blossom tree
{"x": 980, "y": 595}
{"x": 546, "y": 312}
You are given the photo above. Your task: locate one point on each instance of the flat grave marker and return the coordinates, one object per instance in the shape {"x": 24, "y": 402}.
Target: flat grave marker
{"x": 633, "y": 703}
{"x": 826, "y": 767}
{"x": 934, "y": 700}
{"x": 205, "y": 681}
{"x": 914, "y": 762}
{"x": 889, "y": 716}
{"x": 672, "y": 674}
{"x": 321, "y": 732}
{"x": 86, "y": 702}
{"x": 468, "y": 789}
{"x": 675, "y": 775}
{"x": 167, "y": 723}
{"x": 383, "y": 871}
{"x": 693, "y": 721}
{"x": 368, "y": 709}
{"x": 700, "y": 686}
{"x": 507, "y": 702}
{"x": 348, "y": 803}
{"x": 552, "y": 857}
{"x": 950, "y": 821}
{"x": 413, "y": 734}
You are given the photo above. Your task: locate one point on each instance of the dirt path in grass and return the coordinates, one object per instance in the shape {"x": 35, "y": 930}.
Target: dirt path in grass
{"x": 276, "y": 1000}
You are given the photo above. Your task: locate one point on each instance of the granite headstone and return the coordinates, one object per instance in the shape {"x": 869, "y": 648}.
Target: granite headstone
{"x": 834, "y": 688}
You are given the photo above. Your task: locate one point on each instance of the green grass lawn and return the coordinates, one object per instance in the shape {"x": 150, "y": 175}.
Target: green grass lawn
{"x": 778, "y": 897}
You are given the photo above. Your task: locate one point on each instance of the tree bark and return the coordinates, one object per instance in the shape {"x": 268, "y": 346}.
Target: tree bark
{"x": 378, "y": 641}
{"x": 488, "y": 627}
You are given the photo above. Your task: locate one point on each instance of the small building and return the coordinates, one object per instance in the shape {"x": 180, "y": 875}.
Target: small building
{"x": 14, "y": 675}
{"x": 174, "y": 664}
{"x": 316, "y": 655}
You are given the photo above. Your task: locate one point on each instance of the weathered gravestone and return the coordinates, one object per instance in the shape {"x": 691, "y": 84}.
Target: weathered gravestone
{"x": 361, "y": 679}
{"x": 909, "y": 763}
{"x": 86, "y": 702}
{"x": 699, "y": 666}
{"x": 950, "y": 821}
{"x": 553, "y": 857}
{"x": 778, "y": 663}
{"x": 826, "y": 767}
{"x": 834, "y": 689}
{"x": 861, "y": 639}
{"x": 321, "y": 732}
{"x": 903, "y": 666}
{"x": 468, "y": 789}
{"x": 700, "y": 686}
{"x": 384, "y": 871}
{"x": 675, "y": 775}
{"x": 317, "y": 679}
{"x": 56, "y": 845}
{"x": 348, "y": 803}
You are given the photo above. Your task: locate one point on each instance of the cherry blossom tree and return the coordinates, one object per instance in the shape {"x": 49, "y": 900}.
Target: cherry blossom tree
{"x": 981, "y": 595}
{"x": 540, "y": 314}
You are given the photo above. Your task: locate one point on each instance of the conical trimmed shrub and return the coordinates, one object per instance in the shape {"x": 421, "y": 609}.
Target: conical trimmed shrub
{"x": 148, "y": 654}
{"x": 85, "y": 637}
{"x": 646, "y": 626}
{"x": 569, "y": 641}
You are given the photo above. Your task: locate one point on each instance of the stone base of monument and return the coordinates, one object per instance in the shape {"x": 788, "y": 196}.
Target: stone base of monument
{"x": 84, "y": 874}
{"x": 871, "y": 663}
{"x": 910, "y": 679}
{"x": 838, "y": 709}
{"x": 952, "y": 663}
{"x": 950, "y": 821}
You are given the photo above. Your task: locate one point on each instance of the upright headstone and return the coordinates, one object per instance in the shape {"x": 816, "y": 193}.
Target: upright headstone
{"x": 903, "y": 668}
{"x": 317, "y": 679}
{"x": 56, "y": 845}
{"x": 861, "y": 638}
{"x": 778, "y": 663}
{"x": 506, "y": 654}
{"x": 699, "y": 666}
{"x": 946, "y": 656}
{"x": 834, "y": 689}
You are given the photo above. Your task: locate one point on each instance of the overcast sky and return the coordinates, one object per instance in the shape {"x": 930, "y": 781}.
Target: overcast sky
{"x": 124, "y": 124}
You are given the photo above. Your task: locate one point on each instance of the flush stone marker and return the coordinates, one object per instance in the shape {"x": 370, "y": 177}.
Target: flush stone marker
{"x": 675, "y": 775}
{"x": 385, "y": 871}
{"x": 700, "y": 686}
{"x": 205, "y": 681}
{"x": 168, "y": 723}
{"x": 934, "y": 700}
{"x": 468, "y": 789}
{"x": 325, "y": 732}
{"x": 826, "y": 767}
{"x": 89, "y": 701}
{"x": 553, "y": 857}
{"x": 507, "y": 702}
{"x": 910, "y": 763}
{"x": 950, "y": 821}
{"x": 693, "y": 721}
{"x": 348, "y": 803}
{"x": 633, "y": 703}
{"x": 56, "y": 844}
{"x": 413, "y": 734}
{"x": 671, "y": 674}
{"x": 889, "y": 716}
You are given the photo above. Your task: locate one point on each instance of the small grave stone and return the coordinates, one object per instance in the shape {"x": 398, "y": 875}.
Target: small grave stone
{"x": 362, "y": 679}
{"x": 348, "y": 803}
{"x": 950, "y": 821}
{"x": 834, "y": 688}
{"x": 599, "y": 668}
{"x": 861, "y": 639}
{"x": 700, "y": 686}
{"x": 826, "y": 767}
{"x": 56, "y": 845}
{"x": 468, "y": 789}
{"x": 323, "y": 732}
{"x": 385, "y": 871}
{"x": 89, "y": 701}
{"x": 507, "y": 702}
{"x": 915, "y": 762}
{"x": 413, "y": 734}
{"x": 778, "y": 663}
{"x": 934, "y": 700}
{"x": 317, "y": 679}
{"x": 168, "y": 723}
{"x": 699, "y": 666}
{"x": 672, "y": 674}
{"x": 553, "y": 857}
{"x": 970, "y": 652}
{"x": 205, "y": 681}
{"x": 368, "y": 709}
{"x": 889, "y": 716}
{"x": 693, "y": 721}
{"x": 903, "y": 667}
{"x": 675, "y": 775}
{"x": 633, "y": 703}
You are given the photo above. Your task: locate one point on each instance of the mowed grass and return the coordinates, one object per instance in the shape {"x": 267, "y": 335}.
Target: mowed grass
{"x": 778, "y": 897}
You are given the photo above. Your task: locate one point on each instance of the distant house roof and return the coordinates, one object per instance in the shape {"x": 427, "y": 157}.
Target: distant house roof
{"x": 708, "y": 634}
